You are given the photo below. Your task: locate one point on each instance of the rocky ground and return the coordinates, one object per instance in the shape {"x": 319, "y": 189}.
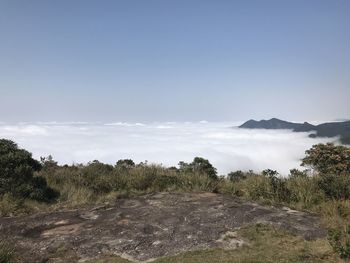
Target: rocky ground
{"x": 147, "y": 227}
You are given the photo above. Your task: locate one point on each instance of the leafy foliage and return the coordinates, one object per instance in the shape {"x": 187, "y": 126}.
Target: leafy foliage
{"x": 236, "y": 176}
{"x": 328, "y": 159}
{"x": 16, "y": 174}
{"x": 199, "y": 165}
{"x": 278, "y": 189}
{"x": 126, "y": 163}
{"x": 334, "y": 186}
{"x": 339, "y": 239}
{"x": 297, "y": 173}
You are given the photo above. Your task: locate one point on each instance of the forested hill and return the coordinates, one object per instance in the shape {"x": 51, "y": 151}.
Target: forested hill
{"x": 329, "y": 129}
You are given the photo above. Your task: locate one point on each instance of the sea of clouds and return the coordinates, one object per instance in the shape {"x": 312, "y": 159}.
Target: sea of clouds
{"x": 227, "y": 147}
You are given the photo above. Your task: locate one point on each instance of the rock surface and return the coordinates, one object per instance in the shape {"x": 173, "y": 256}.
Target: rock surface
{"x": 147, "y": 227}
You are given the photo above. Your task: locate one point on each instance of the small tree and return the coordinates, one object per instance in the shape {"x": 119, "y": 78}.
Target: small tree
{"x": 328, "y": 159}
{"x": 236, "y": 176}
{"x": 49, "y": 165}
{"x": 269, "y": 173}
{"x": 295, "y": 173}
{"x": 125, "y": 163}
{"x": 48, "y": 161}
{"x": 203, "y": 165}
{"x": 185, "y": 167}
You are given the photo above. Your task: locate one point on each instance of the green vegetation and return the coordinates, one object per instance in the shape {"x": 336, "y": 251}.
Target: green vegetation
{"x": 340, "y": 241}
{"x": 199, "y": 165}
{"x": 27, "y": 185}
{"x": 328, "y": 159}
{"x": 16, "y": 179}
{"x": 6, "y": 252}
{"x": 98, "y": 182}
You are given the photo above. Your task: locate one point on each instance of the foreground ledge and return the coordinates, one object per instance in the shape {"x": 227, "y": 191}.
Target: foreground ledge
{"x": 147, "y": 227}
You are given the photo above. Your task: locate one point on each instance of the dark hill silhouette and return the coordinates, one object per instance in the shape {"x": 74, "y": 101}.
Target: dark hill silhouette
{"x": 329, "y": 129}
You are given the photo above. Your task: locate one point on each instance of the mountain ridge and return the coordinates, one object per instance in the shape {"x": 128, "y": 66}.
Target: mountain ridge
{"x": 328, "y": 129}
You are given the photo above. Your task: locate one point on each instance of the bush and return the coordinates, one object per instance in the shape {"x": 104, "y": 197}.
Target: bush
{"x": 304, "y": 190}
{"x": 339, "y": 240}
{"x": 9, "y": 204}
{"x": 40, "y": 190}
{"x": 335, "y": 186}
{"x": 256, "y": 187}
{"x": 232, "y": 188}
{"x": 126, "y": 163}
{"x": 328, "y": 159}
{"x": 96, "y": 177}
{"x": 16, "y": 178}
{"x": 278, "y": 187}
{"x": 295, "y": 173}
{"x": 199, "y": 165}
{"x": 236, "y": 176}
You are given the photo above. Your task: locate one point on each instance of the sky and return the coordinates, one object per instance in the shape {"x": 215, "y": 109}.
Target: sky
{"x": 184, "y": 60}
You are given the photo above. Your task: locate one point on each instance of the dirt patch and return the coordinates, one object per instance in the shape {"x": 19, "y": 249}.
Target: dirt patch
{"x": 148, "y": 227}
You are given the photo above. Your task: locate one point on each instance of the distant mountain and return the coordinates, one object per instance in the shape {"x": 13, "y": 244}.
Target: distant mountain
{"x": 277, "y": 124}
{"x": 330, "y": 129}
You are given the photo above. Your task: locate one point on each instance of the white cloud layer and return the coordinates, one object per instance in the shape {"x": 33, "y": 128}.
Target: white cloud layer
{"x": 168, "y": 143}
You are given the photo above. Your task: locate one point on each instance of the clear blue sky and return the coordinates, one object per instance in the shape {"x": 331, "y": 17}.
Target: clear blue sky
{"x": 174, "y": 60}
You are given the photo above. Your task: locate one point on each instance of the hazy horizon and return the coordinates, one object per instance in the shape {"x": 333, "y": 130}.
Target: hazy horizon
{"x": 234, "y": 123}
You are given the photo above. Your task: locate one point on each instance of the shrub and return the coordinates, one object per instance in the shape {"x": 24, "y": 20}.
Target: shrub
{"x": 9, "y": 204}
{"x": 16, "y": 178}
{"x": 199, "y": 165}
{"x": 278, "y": 187}
{"x": 229, "y": 187}
{"x": 197, "y": 182}
{"x": 295, "y": 173}
{"x": 339, "y": 240}
{"x": 304, "y": 190}
{"x": 335, "y": 186}
{"x": 328, "y": 159}
{"x": 48, "y": 162}
{"x": 236, "y": 176}
{"x": 96, "y": 177}
{"x": 126, "y": 163}
{"x": 257, "y": 187}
